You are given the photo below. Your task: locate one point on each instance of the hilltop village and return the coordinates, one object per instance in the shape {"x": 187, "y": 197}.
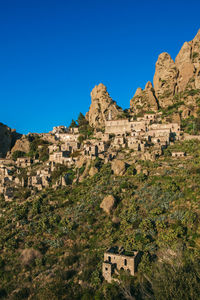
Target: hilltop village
{"x": 124, "y": 141}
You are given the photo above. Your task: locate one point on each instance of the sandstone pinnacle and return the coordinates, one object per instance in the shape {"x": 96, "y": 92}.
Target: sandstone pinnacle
{"x": 102, "y": 107}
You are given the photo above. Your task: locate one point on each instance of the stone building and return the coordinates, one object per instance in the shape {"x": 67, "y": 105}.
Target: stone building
{"x": 119, "y": 141}
{"x": 116, "y": 259}
{"x": 91, "y": 150}
{"x": 23, "y": 162}
{"x": 124, "y": 126}
{"x": 59, "y": 157}
{"x": 117, "y": 126}
{"x": 178, "y": 154}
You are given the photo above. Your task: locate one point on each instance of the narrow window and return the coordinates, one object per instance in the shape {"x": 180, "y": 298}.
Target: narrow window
{"x": 109, "y": 258}
{"x": 125, "y": 262}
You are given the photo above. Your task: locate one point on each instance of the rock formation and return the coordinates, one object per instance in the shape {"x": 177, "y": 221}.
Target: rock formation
{"x": 165, "y": 79}
{"x": 174, "y": 82}
{"x": 188, "y": 64}
{"x": 8, "y": 138}
{"x": 22, "y": 144}
{"x": 144, "y": 99}
{"x": 102, "y": 107}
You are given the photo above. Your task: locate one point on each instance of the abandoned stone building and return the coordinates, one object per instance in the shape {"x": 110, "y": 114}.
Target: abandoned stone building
{"x": 124, "y": 126}
{"x": 59, "y": 157}
{"x": 119, "y": 141}
{"x": 70, "y": 146}
{"x": 116, "y": 259}
{"x": 23, "y": 162}
{"x": 91, "y": 150}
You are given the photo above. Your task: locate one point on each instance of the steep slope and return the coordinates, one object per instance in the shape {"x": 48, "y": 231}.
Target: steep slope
{"x": 64, "y": 232}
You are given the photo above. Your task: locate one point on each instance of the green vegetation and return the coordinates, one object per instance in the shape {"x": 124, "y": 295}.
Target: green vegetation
{"x": 195, "y": 55}
{"x": 73, "y": 124}
{"x": 39, "y": 148}
{"x": 191, "y": 125}
{"x": 17, "y": 154}
{"x": 171, "y": 109}
{"x": 85, "y": 129}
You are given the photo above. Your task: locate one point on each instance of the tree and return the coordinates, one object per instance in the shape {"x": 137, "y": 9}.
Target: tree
{"x": 82, "y": 120}
{"x": 73, "y": 124}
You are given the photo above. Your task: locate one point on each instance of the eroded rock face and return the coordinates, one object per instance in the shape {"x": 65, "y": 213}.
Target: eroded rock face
{"x": 185, "y": 66}
{"x": 8, "y": 138}
{"x": 102, "y": 107}
{"x": 144, "y": 99}
{"x": 165, "y": 79}
{"x": 108, "y": 204}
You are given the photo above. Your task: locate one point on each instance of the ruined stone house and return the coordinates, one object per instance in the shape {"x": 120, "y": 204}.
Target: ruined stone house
{"x": 116, "y": 259}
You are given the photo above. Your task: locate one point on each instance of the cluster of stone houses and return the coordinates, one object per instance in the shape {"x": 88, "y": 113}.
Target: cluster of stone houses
{"x": 145, "y": 137}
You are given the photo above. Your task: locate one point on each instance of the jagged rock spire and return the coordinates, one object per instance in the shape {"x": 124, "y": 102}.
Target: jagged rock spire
{"x": 101, "y": 107}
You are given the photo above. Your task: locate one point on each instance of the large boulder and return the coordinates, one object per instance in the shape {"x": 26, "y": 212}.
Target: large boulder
{"x": 102, "y": 107}
{"x": 108, "y": 204}
{"x": 29, "y": 255}
{"x": 118, "y": 167}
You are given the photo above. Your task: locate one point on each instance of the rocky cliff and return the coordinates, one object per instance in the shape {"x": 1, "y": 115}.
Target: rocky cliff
{"x": 175, "y": 82}
{"x": 102, "y": 107}
{"x": 8, "y": 138}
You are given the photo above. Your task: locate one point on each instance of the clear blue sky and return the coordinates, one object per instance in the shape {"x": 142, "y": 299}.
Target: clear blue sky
{"x": 53, "y": 52}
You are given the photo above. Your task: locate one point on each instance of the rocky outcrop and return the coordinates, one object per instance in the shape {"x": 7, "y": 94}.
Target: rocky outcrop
{"x": 102, "y": 107}
{"x": 22, "y": 144}
{"x": 108, "y": 204}
{"x": 8, "y": 138}
{"x": 144, "y": 100}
